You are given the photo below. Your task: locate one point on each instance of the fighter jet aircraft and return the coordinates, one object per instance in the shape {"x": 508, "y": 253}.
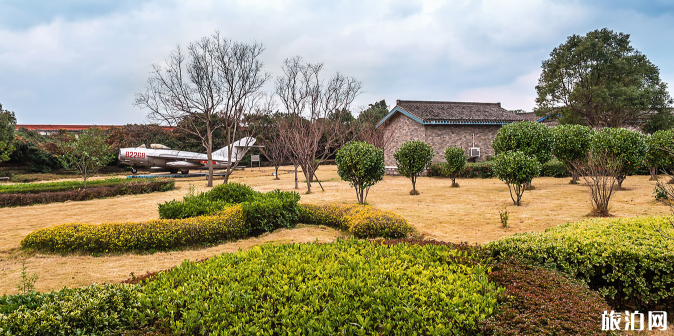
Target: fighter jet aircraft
{"x": 162, "y": 158}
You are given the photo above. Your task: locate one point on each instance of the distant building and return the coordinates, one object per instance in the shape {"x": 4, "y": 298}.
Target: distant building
{"x": 472, "y": 126}
{"x": 45, "y": 129}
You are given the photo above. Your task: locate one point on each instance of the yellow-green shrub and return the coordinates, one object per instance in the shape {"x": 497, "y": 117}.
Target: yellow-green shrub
{"x": 363, "y": 221}
{"x": 628, "y": 260}
{"x": 160, "y": 234}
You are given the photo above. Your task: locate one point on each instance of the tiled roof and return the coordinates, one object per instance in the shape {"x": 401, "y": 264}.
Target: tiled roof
{"x": 431, "y": 112}
{"x": 529, "y": 116}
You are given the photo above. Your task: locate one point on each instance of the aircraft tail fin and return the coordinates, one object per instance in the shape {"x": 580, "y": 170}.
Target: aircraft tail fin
{"x": 239, "y": 149}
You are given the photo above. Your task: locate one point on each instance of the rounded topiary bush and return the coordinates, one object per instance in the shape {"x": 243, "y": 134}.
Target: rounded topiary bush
{"x": 528, "y": 137}
{"x": 628, "y": 147}
{"x": 413, "y": 157}
{"x": 456, "y": 160}
{"x": 570, "y": 144}
{"x": 362, "y": 165}
{"x": 660, "y": 153}
{"x": 516, "y": 169}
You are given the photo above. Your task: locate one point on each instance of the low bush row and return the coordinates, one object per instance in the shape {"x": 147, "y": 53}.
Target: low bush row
{"x": 21, "y": 199}
{"x": 24, "y": 188}
{"x": 363, "y": 221}
{"x": 161, "y": 234}
{"x": 628, "y": 260}
{"x": 92, "y": 310}
{"x": 538, "y": 301}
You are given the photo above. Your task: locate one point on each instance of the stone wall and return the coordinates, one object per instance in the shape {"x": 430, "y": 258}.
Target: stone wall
{"x": 443, "y": 136}
{"x": 402, "y": 128}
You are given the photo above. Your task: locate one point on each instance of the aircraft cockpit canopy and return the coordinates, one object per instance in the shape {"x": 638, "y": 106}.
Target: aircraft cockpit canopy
{"x": 159, "y": 146}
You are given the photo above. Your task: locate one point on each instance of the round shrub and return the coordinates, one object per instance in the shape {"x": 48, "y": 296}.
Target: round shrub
{"x": 516, "y": 169}
{"x": 231, "y": 192}
{"x": 413, "y": 157}
{"x": 571, "y": 143}
{"x": 362, "y": 165}
{"x": 349, "y": 288}
{"x": 660, "y": 153}
{"x": 456, "y": 160}
{"x": 628, "y": 147}
{"x": 528, "y": 137}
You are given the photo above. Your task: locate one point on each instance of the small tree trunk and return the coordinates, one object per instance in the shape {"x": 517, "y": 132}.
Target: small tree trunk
{"x": 276, "y": 173}
{"x": 308, "y": 177}
{"x": 620, "y": 181}
{"x": 296, "y": 181}
{"x": 574, "y": 176}
{"x": 414, "y": 186}
{"x": 653, "y": 171}
{"x": 209, "y": 156}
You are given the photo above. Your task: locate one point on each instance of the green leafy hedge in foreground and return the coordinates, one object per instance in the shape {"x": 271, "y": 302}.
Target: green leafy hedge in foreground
{"x": 352, "y": 287}
{"x": 363, "y": 221}
{"x": 91, "y": 310}
{"x": 626, "y": 259}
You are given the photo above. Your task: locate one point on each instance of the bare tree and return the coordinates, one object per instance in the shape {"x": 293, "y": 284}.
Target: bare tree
{"x": 366, "y": 130}
{"x": 307, "y": 129}
{"x": 600, "y": 172}
{"x": 243, "y": 77}
{"x": 210, "y": 87}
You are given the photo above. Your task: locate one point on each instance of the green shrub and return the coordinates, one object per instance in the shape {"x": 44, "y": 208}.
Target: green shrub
{"x": 92, "y": 310}
{"x": 456, "y": 160}
{"x": 528, "y": 137}
{"x": 207, "y": 203}
{"x": 554, "y": 168}
{"x": 160, "y": 234}
{"x": 627, "y": 260}
{"x": 131, "y": 188}
{"x": 413, "y": 157}
{"x": 27, "y": 188}
{"x": 362, "y": 165}
{"x": 538, "y": 301}
{"x": 363, "y": 221}
{"x": 659, "y": 154}
{"x": 272, "y": 210}
{"x": 627, "y": 146}
{"x": 570, "y": 144}
{"x": 232, "y": 193}
{"x": 516, "y": 169}
{"x": 349, "y": 287}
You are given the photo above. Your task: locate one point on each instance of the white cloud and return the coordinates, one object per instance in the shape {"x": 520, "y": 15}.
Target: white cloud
{"x": 86, "y": 68}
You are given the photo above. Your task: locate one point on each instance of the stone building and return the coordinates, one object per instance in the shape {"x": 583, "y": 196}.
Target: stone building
{"x": 445, "y": 124}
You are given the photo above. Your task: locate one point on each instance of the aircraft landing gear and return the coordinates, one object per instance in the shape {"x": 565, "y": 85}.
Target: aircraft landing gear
{"x": 134, "y": 170}
{"x": 173, "y": 171}
{"x": 184, "y": 172}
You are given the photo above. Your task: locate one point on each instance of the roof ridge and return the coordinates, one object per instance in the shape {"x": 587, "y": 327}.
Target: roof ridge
{"x": 444, "y": 102}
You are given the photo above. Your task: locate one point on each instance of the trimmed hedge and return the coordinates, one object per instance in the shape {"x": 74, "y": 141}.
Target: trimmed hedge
{"x": 26, "y": 188}
{"x": 160, "y": 234}
{"x": 627, "y": 260}
{"x": 21, "y": 199}
{"x": 363, "y": 221}
{"x": 350, "y": 287}
{"x": 538, "y": 301}
{"x": 92, "y": 310}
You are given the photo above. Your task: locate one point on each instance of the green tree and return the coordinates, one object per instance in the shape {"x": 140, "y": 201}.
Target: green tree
{"x": 660, "y": 152}
{"x": 7, "y": 125}
{"x": 86, "y": 154}
{"x": 659, "y": 121}
{"x": 362, "y": 165}
{"x": 528, "y": 137}
{"x": 571, "y": 143}
{"x": 516, "y": 169}
{"x": 413, "y": 156}
{"x": 600, "y": 80}
{"x": 628, "y": 147}
{"x": 456, "y": 160}
{"x": 374, "y": 112}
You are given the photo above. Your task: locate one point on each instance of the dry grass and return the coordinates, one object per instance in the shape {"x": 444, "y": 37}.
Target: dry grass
{"x": 468, "y": 213}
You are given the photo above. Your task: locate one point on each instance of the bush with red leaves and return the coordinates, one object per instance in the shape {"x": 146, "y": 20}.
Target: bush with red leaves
{"x": 538, "y": 301}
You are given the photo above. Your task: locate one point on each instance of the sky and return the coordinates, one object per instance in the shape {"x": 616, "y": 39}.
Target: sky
{"x": 81, "y": 62}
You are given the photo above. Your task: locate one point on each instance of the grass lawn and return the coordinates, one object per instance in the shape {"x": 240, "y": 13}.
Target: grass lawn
{"x": 468, "y": 213}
